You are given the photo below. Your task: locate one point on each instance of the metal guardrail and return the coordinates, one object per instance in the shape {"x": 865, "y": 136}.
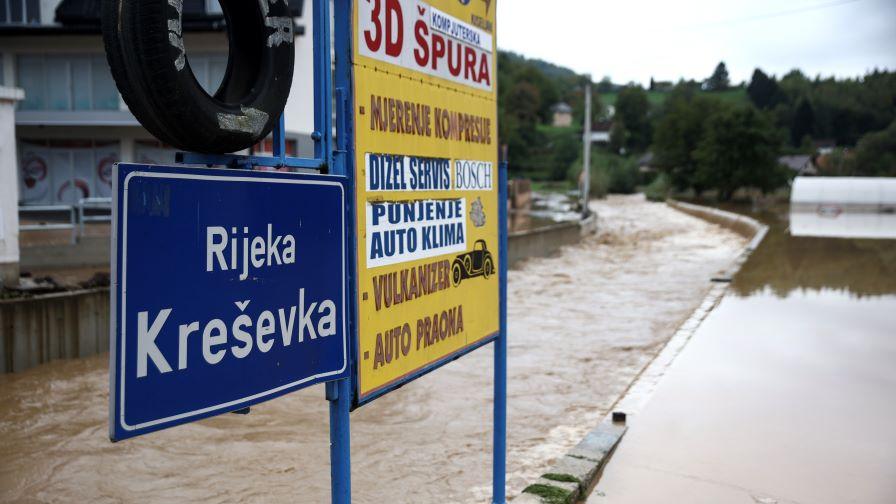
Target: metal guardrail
{"x": 45, "y": 226}
{"x": 104, "y": 204}
{"x": 78, "y": 215}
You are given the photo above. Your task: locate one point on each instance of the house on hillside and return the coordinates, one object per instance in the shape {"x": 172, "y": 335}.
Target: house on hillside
{"x": 646, "y": 163}
{"x": 656, "y": 85}
{"x": 562, "y": 115}
{"x": 825, "y": 145}
{"x": 799, "y": 164}
{"x": 600, "y": 132}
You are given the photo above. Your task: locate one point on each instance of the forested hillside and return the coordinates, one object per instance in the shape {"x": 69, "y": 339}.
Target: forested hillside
{"x": 709, "y": 134}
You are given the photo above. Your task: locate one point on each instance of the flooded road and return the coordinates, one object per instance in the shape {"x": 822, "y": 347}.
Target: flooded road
{"x": 786, "y": 392}
{"x": 582, "y": 326}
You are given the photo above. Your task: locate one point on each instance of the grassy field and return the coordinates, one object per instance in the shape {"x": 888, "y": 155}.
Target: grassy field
{"x": 656, "y": 98}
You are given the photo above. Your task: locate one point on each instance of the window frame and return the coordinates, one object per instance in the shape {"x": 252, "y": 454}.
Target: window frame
{"x": 66, "y": 61}
{"x": 27, "y": 16}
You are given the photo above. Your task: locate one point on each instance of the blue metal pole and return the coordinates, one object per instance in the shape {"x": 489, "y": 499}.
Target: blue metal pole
{"x": 499, "y": 464}
{"x": 339, "y": 395}
{"x": 323, "y": 84}
{"x": 279, "y": 140}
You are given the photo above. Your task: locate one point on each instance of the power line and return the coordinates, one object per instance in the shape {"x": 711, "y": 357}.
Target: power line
{"x": 759, "y": 17}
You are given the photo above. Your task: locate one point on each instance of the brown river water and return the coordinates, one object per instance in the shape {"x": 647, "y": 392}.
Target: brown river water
{"x": 785, "y": 393}
{"x": 582, "y": 326}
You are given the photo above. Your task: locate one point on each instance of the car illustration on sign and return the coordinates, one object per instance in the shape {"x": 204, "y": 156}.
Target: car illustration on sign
{"x": 477, "y": 262}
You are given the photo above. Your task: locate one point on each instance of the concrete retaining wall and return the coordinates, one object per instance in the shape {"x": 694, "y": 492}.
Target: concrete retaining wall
{"x": 740, "y": 224}
{"x": 54, "y": 326}
{"x": 546, "y": 241}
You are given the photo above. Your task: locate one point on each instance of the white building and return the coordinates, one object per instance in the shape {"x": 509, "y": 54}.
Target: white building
{"x": 9, "y": 216}
{"x": 72, "y": 125}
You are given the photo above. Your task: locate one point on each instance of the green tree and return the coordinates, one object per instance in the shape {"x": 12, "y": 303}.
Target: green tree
{"x": 519, "y": 123}
{"x": 719, "y": 80}
{"x": 547, "y": 90}
{"x": 605, "y": 85}
{"x": 678, "y": 132}
{"x": 875, "y": 153}
{"x": 763, "y": 90}
{"x": 632, "y": 126}
{"x": 803, "y": 123}
{"x": 739, "y": 148}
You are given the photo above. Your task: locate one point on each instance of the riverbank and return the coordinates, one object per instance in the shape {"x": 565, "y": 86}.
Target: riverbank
{"x": 582, "y": 326}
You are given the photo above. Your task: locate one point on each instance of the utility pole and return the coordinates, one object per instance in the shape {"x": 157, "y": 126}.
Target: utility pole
{"x": 586, "y": 154}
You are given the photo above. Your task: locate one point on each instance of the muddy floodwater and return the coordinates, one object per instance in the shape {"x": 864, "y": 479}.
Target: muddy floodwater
{"x": 787, "y": 391}
{"x": 582, "y": 326}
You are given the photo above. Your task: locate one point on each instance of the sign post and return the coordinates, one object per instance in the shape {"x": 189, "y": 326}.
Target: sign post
{"x": 586, "y": 154}
{"x": 499, "y": 458}
{"x": 416, "y": 97}
{"x": 234, "y": 287}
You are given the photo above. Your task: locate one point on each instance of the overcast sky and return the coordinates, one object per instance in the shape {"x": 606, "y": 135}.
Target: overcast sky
{"x": 634, "y": 40}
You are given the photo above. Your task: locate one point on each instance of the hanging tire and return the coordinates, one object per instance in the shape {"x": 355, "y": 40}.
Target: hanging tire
{"x": 145, "y": 51}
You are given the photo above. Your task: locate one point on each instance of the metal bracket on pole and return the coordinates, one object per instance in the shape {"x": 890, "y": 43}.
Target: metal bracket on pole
{"x": 238, "y": 161}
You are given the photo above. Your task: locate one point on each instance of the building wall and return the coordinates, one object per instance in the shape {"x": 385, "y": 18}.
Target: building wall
{"x": 61, "y": 150}
{"x": 299, "y": 108}
{"x": 562, "y": 119}
{"x": 48, "y": 11}
{"x": 9, "y": 213}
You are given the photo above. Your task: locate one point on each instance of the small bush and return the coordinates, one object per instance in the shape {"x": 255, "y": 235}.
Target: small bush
{"x": 659, "y": 189}
{"x": 610, "y": 173}
{"x": 549, "y": 494}
{"x": 600, "y": 183}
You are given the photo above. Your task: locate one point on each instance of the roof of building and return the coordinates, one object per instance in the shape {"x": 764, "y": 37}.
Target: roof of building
{"x": 562, "y": 108}
{"x": 604, "y": 126}
{"x": 83, "y": 17}
{"x": 796, "y": 163}
{"x": 844, "y": 190}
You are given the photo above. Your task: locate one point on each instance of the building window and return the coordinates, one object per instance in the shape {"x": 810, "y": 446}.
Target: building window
{"x": 212, "y": 7}
{"x": 19, "y": 11}
{"x": 69, "y": 82}
{"x": 209, "y": 70}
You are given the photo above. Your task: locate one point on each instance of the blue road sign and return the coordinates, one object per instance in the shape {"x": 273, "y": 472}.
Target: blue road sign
{"x": 228, "y": 290}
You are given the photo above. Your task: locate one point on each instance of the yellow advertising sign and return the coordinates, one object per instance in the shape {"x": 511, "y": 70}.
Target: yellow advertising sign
{"x": 426, "y": 172}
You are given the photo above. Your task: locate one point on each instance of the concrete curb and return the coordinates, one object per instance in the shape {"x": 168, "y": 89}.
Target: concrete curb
{"x": 573, "y": 477}
{"x": 745, "y": 226}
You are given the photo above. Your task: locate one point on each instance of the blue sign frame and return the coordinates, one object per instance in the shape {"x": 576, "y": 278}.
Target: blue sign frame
{"x": 179, "y": 259}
